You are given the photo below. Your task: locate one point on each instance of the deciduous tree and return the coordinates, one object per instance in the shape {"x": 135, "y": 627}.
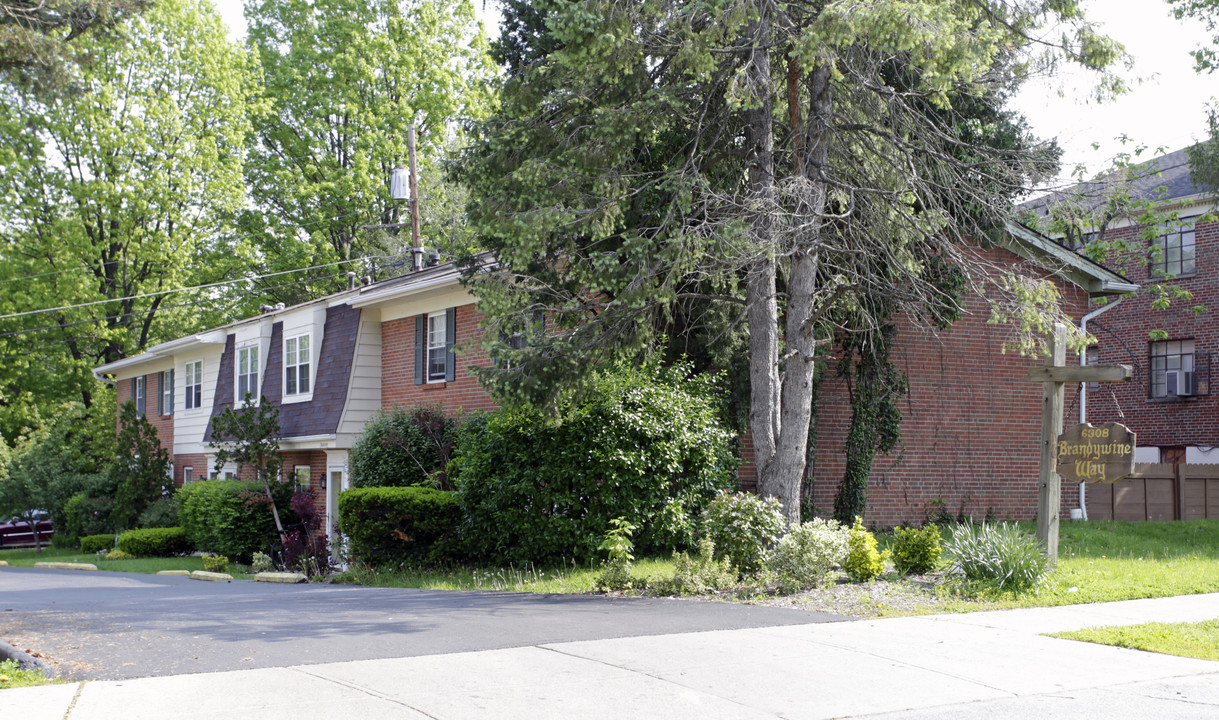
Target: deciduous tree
{"x": 345, "y": 79}
{"x": 115, "y": 197}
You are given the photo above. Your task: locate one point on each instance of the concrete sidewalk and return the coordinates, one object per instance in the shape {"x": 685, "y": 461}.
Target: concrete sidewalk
{"x": 993, "y": 664}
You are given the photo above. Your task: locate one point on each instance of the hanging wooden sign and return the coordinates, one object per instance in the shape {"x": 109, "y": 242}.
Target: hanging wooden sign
{"x": 1103, "y": 453}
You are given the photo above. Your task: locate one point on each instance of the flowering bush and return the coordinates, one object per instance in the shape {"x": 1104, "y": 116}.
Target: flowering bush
{"x": 743, "y": 526}
{"x": 806, "y": 557}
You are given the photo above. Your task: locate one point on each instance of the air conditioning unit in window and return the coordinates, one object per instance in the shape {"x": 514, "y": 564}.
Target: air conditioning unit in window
{"x": 1180, "y": 383}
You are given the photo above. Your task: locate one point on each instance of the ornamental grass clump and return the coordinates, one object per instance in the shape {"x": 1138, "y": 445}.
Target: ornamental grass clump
{"x": 995, "y": 557}
{"x": 807, "y": 556}
{"x": 916, "y": 551}
{"x": 864, "y": 560}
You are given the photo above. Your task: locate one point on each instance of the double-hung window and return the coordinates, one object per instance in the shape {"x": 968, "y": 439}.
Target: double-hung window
{"x": 247, "y": 374}
{"x": 192, "y": 396}
{"x": 1172, "y": 253}
{"x": 1172, "y": 369}
{"x": 434, "y": 337}
{"x": 165, "y": 400}
{"x": 296, "y": 365}
{"x": 139, "y": 393}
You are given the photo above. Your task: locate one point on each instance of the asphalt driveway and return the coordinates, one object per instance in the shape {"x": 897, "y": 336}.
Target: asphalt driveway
{"x": 109, "y": 625}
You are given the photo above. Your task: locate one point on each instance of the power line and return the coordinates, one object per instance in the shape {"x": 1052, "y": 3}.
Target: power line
{"x": 316, "y": 223}
{"x": 64, "y": 326}
{"x": 183, "y": 289}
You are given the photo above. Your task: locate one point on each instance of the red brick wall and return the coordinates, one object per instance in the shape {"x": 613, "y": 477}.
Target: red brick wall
{"x": 316, "y": 460}
{"x": 199, "y": 464}
{"x": 1123, "y": 335}
{"x": 164, "y": 424}
{"x": 398, "y": 386}
{"x": 971, "y": 427}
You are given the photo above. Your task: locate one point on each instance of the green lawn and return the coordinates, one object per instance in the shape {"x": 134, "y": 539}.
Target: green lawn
{"x": 27, "y": 558}
{"x": 1193, "y": 640}
{"x": 1107, "y": 561}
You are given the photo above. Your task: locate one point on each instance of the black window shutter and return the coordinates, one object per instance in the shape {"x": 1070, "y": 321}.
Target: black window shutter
{"x": 420, "y": 349}
{"x": 450, "y": 334}
{"x": 161, "y": 392}
{"x": 170, "y": 396}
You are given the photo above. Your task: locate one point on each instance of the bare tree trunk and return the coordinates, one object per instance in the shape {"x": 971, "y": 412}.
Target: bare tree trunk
{"x": 762, "y": 306}
{"x": 279, "y": 526}
{"x": 781, "y": 477}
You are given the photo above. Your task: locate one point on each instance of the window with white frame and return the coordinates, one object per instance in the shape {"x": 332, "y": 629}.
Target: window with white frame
{"x": 192, "y": 396}
{"x": 301, "y": 474}
{"x": 247, "y": 373}
{"x": 1172, "y": 369}
{"x": 188, "y": 474}
{"x": 139, "y": 393}
{"x": 436, "y": 337}
{"x": 165, "y": 401}
{"x": 1172, "y": 254}
{"x": 296, "y": 365}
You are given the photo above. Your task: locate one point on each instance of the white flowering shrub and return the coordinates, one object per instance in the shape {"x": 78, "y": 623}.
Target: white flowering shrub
{"x": 806, "y": 557}
{"x": 743, "y": 526}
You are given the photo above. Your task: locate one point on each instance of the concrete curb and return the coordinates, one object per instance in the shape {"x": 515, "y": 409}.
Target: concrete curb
{"x": 280, "y": 577}
{"x": 182, "y": 573}
{"x": 65, "y": 566}
{"x": 25, "y": 660}
{"x": 214, "y": 577}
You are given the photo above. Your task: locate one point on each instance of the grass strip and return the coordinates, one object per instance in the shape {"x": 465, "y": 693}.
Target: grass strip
{"x": 1192, "y": 640}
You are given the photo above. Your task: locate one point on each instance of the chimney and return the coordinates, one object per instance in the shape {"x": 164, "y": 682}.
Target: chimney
{"x": 351, "y": 281}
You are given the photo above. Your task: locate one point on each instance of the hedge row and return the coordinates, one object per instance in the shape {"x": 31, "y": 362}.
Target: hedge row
{"x": 155, "y": 542}
{"x": 392, "y": 523}
{"x": 97, "y": 543}
{"x": 231, "y": 517}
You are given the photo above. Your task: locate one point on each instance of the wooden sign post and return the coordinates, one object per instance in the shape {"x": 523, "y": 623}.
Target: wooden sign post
{"x": 1053, "y": 376}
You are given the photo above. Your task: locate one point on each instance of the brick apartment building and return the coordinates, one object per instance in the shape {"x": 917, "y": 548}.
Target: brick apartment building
{"x": 971, "y": 427}
{"x": 1170, "y": 404}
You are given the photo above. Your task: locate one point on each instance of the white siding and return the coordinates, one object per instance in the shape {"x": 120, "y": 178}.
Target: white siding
{"x": 189, "y": 425}
{"x": 364, "y": 386}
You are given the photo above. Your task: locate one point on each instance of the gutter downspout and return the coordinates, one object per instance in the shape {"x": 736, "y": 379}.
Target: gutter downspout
{"x": 1083, "y": 392}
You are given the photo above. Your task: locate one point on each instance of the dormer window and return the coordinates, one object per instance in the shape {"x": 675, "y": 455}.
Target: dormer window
{"x": 247, "y": 373}
{"x": 296, "y": 365}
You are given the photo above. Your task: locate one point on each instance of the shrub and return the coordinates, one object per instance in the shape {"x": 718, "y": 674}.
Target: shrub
{"x": 96, "y": 543}
{"x": 261, "y": 563}
{"x": 396, "y": 523}
{"x": 616, "y": 571}
{"x": 155, "y": 542}
{"x": 118, "y": 555}
{"x": 645, "y": 445}
{"x": 916, "y": 550}
{"x": 215, "y": 563}
{"x": 864, "y": 562}
{"x": 160, "y": 513}
{"x": 999, "y": 557}
{"x": 85, "y": 514}
{"x": 407, "y": 446}
{"x": 742, "y": 526}
{"x": 697, "y": 575}
{"x": 807, "y": 556}
{"x": 306, "y": 548}
{"x": 231, "y": 517}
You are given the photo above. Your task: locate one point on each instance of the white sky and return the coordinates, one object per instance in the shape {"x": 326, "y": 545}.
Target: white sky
{"x": 1166, "y": 107}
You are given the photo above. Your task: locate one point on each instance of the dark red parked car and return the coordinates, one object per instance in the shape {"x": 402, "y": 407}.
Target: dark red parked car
{"x": 18, "y": 533}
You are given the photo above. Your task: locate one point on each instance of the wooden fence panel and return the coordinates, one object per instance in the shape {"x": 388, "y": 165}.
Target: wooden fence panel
{"x": 1158, "y": 492}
